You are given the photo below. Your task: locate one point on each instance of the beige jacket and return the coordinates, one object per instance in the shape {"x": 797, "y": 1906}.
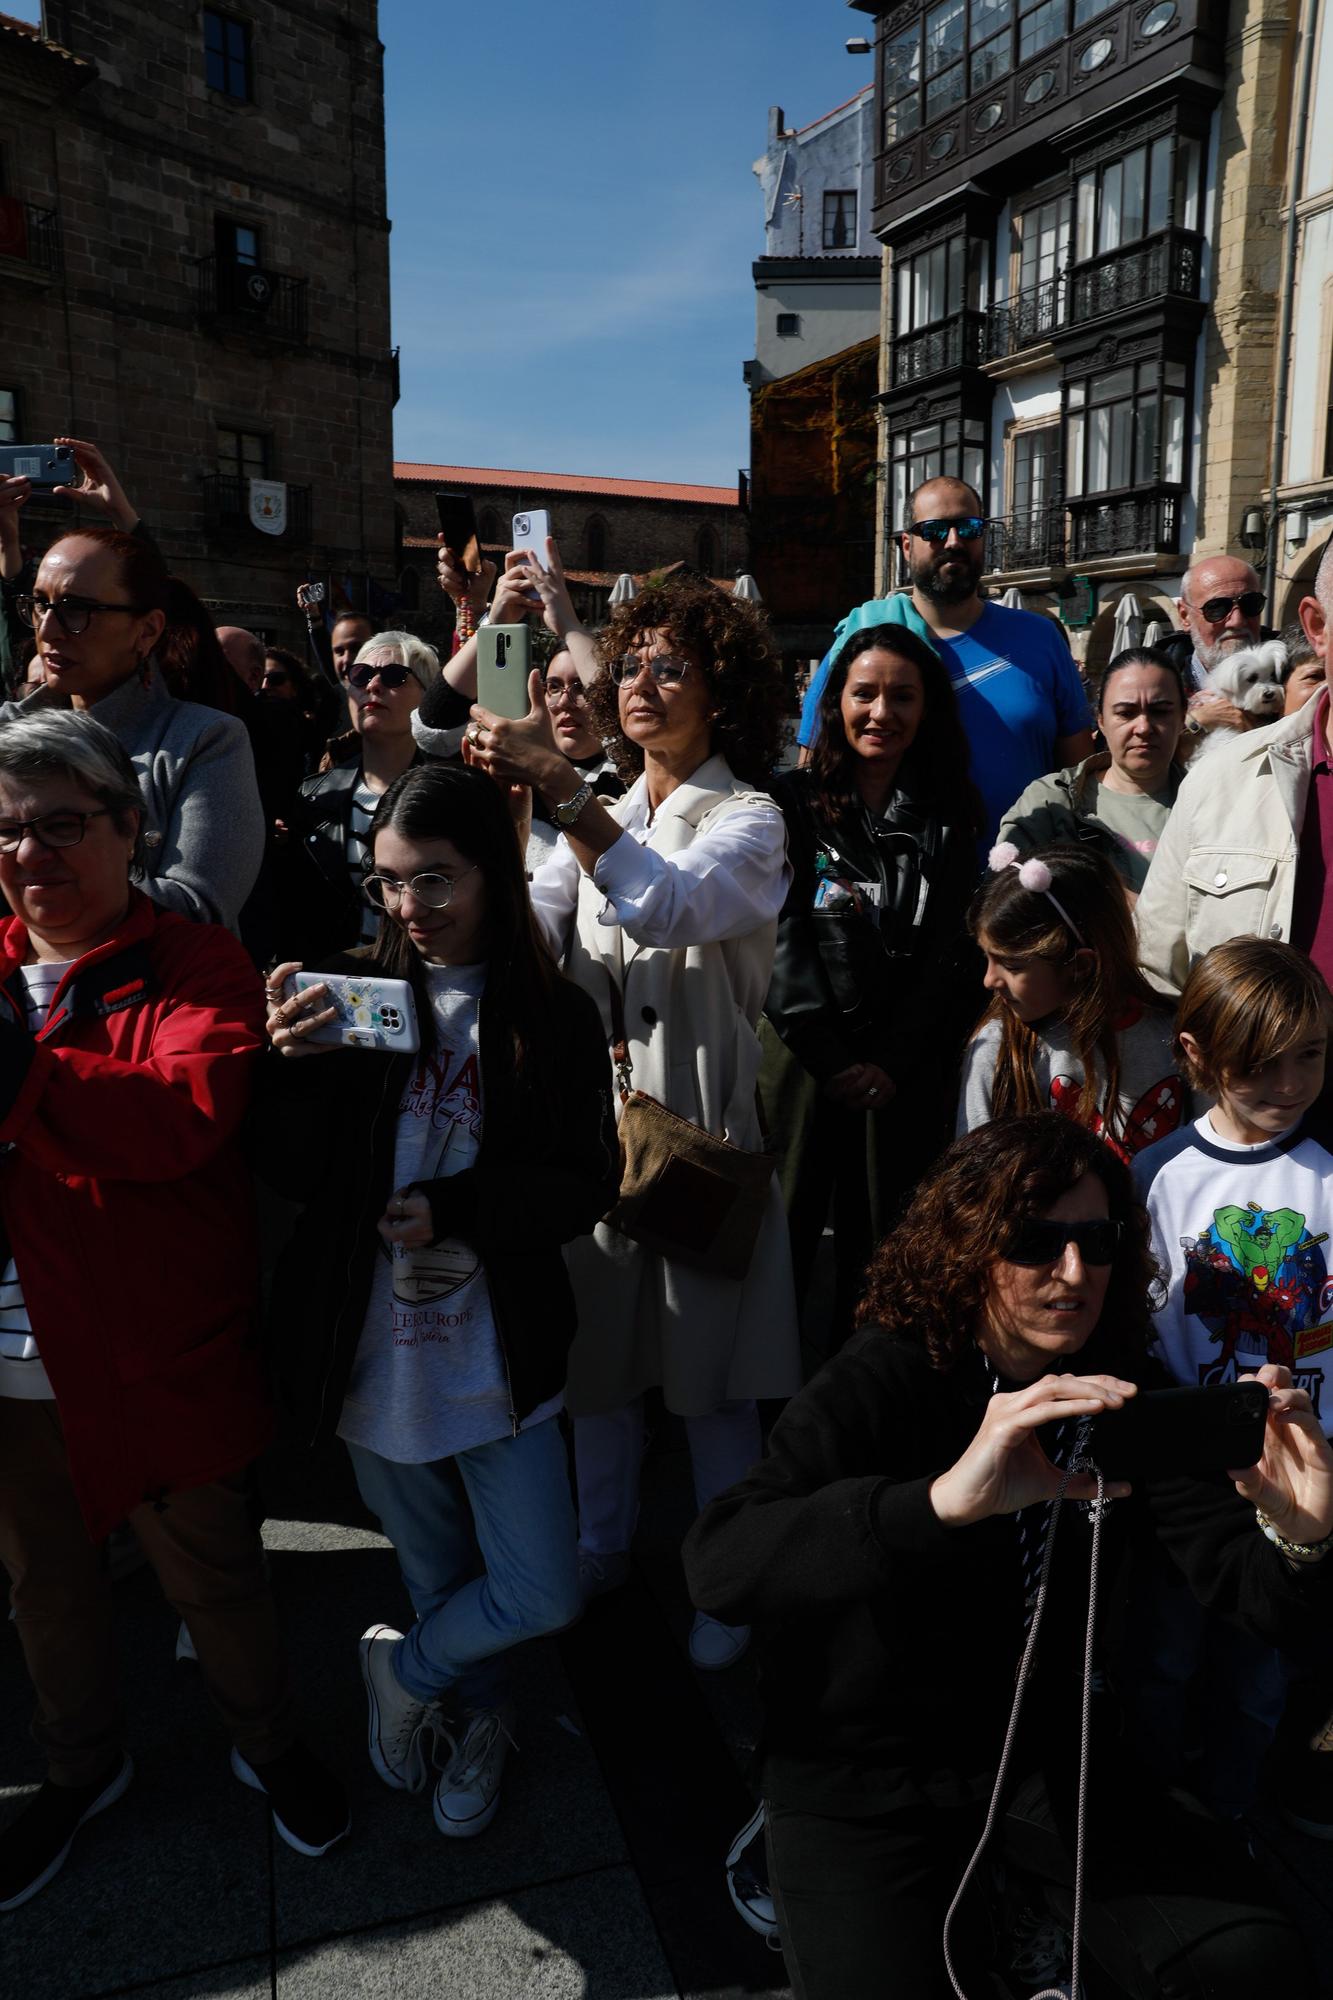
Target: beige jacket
{"x": 1226, "y": 865}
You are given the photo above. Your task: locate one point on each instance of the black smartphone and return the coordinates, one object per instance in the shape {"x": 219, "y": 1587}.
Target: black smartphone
{"x": 458, "y": 525}
{"x": 1217, "y": 1428}
{"x": 43, "y": 464}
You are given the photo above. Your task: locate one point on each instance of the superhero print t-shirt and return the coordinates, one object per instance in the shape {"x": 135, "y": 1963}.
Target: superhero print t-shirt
{"x": 1243, "y": 1235}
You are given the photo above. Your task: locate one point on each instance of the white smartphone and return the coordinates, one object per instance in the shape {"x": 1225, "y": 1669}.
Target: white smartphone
{"x": 504, "y": 661}
{"x": 530, "y": 531}
{"x": 372, "y": 1013}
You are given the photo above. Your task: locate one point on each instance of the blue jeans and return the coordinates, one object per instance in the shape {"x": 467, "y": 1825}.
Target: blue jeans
{"x": 487, "y": 1544}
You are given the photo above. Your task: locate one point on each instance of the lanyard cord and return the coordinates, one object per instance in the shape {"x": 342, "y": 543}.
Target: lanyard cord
{"x": 1078, "y": 1462}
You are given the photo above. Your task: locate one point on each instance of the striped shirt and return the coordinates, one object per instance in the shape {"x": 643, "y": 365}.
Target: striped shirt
{"x": 21, "y": 1372}
{"x": 364, "y": 802}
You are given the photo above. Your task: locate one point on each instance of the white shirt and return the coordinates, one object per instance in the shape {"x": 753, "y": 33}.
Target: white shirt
{"x": 725, "y": 884}
{"x": 22, "y": 1375}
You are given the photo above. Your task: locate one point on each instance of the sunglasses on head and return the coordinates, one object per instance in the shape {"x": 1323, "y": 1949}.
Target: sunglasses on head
{"x": 1250, "y": 603}
{"x": 968, "y": 528}
{"x": 389, "y": 677}
{"x": 1040, "y": 1243}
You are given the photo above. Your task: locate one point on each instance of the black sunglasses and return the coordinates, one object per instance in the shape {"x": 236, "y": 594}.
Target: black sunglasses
{"x": 389, "y": 677}
{"x": 1038, "y": 1242}
{"x": 968, "y": 527}
{"x": 1250, "y": 603}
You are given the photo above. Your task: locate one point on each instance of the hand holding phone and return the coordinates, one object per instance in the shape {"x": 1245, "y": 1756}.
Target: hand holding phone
{"x": 504, "y": 661}
{"x": 530, "y": 531}
{"x": 360, "y": 1011}
{"x": 45, "y": 466}
{"x": 458, "y": 525}
{"x": 309, "y": 595}
{"x": 1197, "y": 1432}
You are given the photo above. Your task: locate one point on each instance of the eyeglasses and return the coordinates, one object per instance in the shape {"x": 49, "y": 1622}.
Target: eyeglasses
{"x": 435, "y": 891}
{"x": 57, "y": 829}
{"x": 664, "y": 670}
{"x": 388, "y": 676}
{"x": 1249, "y": 603}
{"x": 968, "y": 528}
{"x": 72, "y": 613}
{"x": 1038, "y": 1242}
{"x": 570, "y": 691}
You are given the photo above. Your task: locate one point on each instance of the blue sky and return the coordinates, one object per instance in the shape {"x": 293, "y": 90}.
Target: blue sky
{"x": 574, "y": 220}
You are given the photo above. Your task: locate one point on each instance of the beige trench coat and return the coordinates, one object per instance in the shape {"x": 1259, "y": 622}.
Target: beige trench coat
{"x": 646, "y": 1321}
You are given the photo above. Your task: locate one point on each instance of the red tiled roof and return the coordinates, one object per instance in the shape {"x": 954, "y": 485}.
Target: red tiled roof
{"x": 603, "y": 578}
{"x": 564, "y": 482}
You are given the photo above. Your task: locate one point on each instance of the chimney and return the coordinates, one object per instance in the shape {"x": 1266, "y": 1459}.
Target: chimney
{"x": 776, "y": 122}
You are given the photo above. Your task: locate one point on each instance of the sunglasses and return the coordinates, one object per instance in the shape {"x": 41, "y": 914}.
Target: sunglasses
{"x": 967, "y": 527}
{"x": 1041, "y": 1244}
{"x": 389, "y": 677}
{"x": 1250, "y": 603}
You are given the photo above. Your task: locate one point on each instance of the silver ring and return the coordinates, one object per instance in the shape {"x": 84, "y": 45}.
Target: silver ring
{"x": 474, "y": 733}
{"x": 873, "y": 1090}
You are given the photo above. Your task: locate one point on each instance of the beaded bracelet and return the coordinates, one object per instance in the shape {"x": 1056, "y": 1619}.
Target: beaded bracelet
{"x": 1301, "y": 1552}
{"x": 465, "y": 621}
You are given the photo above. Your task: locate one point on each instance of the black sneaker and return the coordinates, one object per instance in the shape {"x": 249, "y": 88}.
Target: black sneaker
{"x": 310, "y": 1808}
{"x": 747, "y": 1878}
{"x": 35, "y": 1847}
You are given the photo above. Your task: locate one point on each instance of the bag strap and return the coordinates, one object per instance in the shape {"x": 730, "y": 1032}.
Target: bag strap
{"x": 619, "y": 1037}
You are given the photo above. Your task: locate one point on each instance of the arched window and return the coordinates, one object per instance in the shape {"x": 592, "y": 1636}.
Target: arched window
{"x": 488, "y": 527}
{"x": 594, "y": 536}
{"x": 706, "y": 551}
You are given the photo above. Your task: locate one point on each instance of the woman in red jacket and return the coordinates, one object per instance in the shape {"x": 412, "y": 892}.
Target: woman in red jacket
{"x": 129, "y": 1384}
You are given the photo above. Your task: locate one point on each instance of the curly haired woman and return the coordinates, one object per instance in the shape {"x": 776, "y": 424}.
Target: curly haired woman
{"x": 668, "y": 899}
{"x": 886, "y": 1547}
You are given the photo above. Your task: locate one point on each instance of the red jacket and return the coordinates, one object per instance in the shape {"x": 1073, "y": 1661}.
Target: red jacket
{"x": 129, "y": 1208}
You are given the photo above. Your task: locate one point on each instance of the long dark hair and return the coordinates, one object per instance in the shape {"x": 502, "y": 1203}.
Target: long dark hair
{"x": 938, "y": 765}
{"x": 931, "y": 1279}
{"x": 434, "y": 801}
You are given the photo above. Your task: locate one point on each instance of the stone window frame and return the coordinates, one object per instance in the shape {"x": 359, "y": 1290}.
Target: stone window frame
{"x": 228, "y": 57}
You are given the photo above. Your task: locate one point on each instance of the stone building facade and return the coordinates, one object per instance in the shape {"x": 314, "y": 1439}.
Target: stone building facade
{"x": 604, "y": 528}
{"x": 194, "y": 272}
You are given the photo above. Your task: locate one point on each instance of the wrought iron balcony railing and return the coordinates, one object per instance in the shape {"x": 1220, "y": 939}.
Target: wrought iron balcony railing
{"x": 1029, "y": 316}
{"x": 1141, "y": 524}
{"x": 957, "y": 342}
{"x": 1031, "y": 540}
{"x": 227, "y": 506}
{"x": 1170, "y": 263}
{"x": 245, "y": 296}
{"x": 30, "y": 235}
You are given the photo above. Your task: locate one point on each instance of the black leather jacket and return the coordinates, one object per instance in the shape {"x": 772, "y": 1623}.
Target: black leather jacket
{"x": 321, "y": 911}
{"x": 873, "y": 961}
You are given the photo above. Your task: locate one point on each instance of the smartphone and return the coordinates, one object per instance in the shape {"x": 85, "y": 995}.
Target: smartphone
{"x": 1196, "y": 1431}
{"x": 530, "y": 531}
{"x": 308, "y": 595}
{"x": 43, "y": 464}
{"x": 504, "y": 661}
{"x": 458, "y": 525}
{"x": 373, "y": 1013}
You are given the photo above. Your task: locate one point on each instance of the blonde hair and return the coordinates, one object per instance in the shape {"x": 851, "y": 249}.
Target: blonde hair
{"x": 1246, "y": 1002}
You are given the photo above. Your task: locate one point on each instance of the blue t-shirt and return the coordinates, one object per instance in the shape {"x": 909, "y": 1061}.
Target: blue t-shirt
{"x": 1018, "y": 693}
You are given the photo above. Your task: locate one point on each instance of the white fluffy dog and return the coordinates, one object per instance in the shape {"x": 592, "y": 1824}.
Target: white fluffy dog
{"x": 1251, "y": 679}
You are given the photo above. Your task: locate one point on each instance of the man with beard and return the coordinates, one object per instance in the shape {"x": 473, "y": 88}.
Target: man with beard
{"x": 1219, "y": 604}
{"x": 1019, "y": 695}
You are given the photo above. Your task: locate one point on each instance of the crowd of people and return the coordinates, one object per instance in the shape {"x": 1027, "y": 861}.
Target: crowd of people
{"x": 1012, "y": 995}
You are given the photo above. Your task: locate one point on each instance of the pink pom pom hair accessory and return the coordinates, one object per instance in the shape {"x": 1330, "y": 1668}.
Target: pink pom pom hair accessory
{"x": 1035, "y": 875}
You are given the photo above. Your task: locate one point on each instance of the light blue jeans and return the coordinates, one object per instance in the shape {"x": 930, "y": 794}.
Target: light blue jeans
{"x": 487, "y": 1544}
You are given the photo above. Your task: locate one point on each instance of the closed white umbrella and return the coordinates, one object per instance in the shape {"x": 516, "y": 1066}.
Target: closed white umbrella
{"x": 1013, "y": 598}
{"x": 1156, "y": 632}
{"x": 745, "y": 587}
{"x": 1128, "y": 624}
{"x": 623, "y": 590}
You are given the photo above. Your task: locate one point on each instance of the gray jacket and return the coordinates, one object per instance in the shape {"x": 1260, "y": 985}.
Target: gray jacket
{"x": 203, "y": 819}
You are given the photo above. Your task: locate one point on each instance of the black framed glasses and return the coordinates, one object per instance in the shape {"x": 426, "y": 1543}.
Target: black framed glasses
{"x": 53, "y": 829}
{"x": 1249, "y": 603}
{"x": 664, "y": 670}
{"x": 388, "y": 676}
{"x": 570, "y": 691}
{"x": 967, "y": 527}
{"x": 1041, "y": 1243}
{"x": 72, "y": 613}
{"x": 435, "y": 891}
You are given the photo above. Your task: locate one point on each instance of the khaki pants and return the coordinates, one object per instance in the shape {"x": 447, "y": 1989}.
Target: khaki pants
{"x": 206, "y": 1549}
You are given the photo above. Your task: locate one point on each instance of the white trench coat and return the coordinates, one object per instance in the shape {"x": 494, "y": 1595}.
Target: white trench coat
{"x": 690, "y": 944}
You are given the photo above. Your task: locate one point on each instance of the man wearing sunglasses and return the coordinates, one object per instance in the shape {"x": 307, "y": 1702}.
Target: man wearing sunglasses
{"x": 1248, "y": 849}
{"x": 1020, "y": 699}
{"x": 1220, "y": 605}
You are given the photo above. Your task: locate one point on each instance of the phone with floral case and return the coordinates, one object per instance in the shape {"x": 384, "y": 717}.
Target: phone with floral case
{"x": 372, "y": 1013}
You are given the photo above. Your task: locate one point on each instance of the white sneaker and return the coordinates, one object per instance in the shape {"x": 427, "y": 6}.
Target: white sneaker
{"x": 747, "y": 1878}
{"x": 714, "y": 1645}
{"x": 402, "y": 1727}
{"x": 600, "y": 1573}
{"x": 467, "y": 1796}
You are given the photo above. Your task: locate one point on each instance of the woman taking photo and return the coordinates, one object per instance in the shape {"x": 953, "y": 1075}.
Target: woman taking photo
{"x": 667, "y": 903}
{"x": 101, "y": 610}
{"x": 882, "y": 826}
{"x": 422, "y": 1311}
{"x": 1120, "y": 798}
{"x": 887, "y": 1548}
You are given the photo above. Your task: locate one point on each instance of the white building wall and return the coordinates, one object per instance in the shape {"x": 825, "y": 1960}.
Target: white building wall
{"x": 831, "y": 316}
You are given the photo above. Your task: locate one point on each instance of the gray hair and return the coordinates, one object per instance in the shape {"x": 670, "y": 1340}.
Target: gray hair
{"x": 422, "y": 661}
{"x": 67, "y": 743}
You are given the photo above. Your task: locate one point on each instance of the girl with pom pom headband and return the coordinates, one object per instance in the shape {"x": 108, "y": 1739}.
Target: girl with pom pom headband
{"x": 1072, "y": 1024}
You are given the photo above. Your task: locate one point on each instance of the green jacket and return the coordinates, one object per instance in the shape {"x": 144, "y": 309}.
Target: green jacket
{"x": 1063, "y": 807}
